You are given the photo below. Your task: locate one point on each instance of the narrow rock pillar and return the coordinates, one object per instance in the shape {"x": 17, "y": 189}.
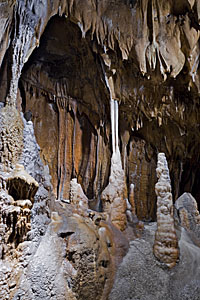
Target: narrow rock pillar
{"x": 166, "y": 244}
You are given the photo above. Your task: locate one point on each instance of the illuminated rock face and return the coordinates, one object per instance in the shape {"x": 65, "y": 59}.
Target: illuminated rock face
{"x": 103, "y": 86}
{"x": 150, "y": 55}
{"x": 166, "y": 244}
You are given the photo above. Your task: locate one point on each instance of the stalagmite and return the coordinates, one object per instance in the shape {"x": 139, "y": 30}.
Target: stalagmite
{"x": 188, "y": 212}
{"x": 114, "y": 195}
{"x": 166, "y": 244}
{"x": 77, "y": 196}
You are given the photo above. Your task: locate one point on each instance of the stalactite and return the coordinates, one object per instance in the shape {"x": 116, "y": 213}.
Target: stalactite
{"x": 125, "y": 136}
{"x": 112, "y": 111}
{"x": 116, "y": 126}
{"x": 73, "y": 146}
{"x": 97, "y": 183}
{"x": 132, "y": 198}
{"x": 61, "y": 147}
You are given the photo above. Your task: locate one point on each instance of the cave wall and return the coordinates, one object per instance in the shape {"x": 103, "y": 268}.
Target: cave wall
{"x": 64, "y": 81}
{"x": 150, "y": 50}
{"x": 73, "y": 75}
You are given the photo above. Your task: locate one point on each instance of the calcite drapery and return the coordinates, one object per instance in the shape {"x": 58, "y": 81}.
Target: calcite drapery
{"x": 166, "y": 244}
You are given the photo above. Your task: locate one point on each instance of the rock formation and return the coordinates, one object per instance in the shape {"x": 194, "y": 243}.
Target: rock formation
{"x": 21, "y": 185}
{"x": 188, "y": 216}
{"x": 164, "y": 47}
{"x": 91, "y": 91}
{"x": 188, "y": 212}
{"x": 17, "y": 191}
{"x": 131, "y": 198}
{"x": 77, "y": 196}
{"x": 166, "y": 244}
{"x": 11, "y": 136}
{"x": 114, "y": 195}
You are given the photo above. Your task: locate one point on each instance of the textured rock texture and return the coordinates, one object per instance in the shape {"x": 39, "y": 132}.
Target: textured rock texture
{"x": 166, "y": 244}
{"x": 140, "y": 276}
{"x": 91, "y": 92}
{"x": 188, "y": 215}
{"x": 11, "y": 136}
{"x": 113, "y": 197}
{"x": 24, "y": 214}
{"x": 71, "y": 262}
{"x": 73, "y": 255}
{"x": 21, "y": 185}
{"x": 150, "y": 51}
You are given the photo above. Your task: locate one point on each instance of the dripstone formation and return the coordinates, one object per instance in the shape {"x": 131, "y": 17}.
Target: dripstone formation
{"x": 99, "y": 150}
{"x": 166, "y": 243}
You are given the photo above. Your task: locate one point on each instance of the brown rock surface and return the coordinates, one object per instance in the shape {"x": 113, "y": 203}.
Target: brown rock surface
{"x": 66, "y": 64}
{"x": 164, "y": 47}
